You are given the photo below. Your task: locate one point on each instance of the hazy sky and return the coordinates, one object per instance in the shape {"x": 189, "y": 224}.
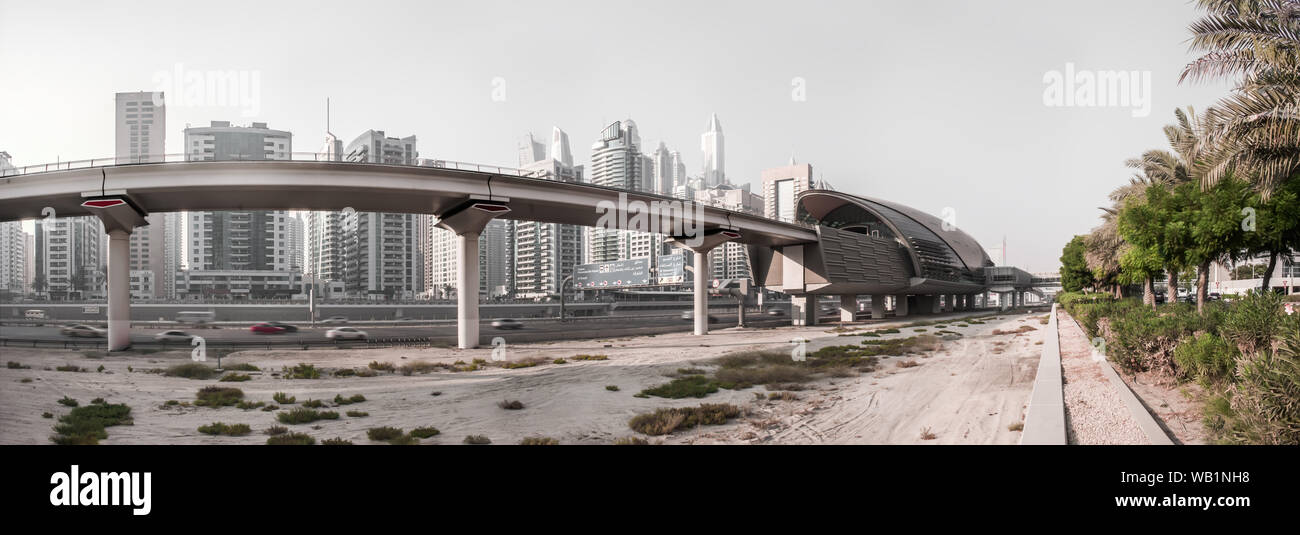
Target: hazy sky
{"x": 936, "y": 105}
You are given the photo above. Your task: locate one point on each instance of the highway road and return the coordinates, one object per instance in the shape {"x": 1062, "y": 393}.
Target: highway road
{"x": 532, "y": 331}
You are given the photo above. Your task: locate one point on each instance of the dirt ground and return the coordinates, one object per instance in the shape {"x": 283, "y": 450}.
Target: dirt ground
{"x": 972, "y": 390}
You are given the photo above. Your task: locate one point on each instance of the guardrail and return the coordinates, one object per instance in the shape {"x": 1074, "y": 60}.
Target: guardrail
{"x": 99, "y": 343}
{"x": 1045, "y": 421}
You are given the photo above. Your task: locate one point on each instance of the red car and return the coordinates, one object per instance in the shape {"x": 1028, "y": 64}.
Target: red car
{"x": 266, "y": 328}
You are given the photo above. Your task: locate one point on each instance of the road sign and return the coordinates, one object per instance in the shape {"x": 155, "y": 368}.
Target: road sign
{"x": 618, "y": 274}
{"x": 103, "y": 203}
{"x": 672, "y": 269}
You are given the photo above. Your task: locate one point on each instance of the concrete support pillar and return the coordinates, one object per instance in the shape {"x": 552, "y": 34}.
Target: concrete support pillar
{"x": 878, "y": 306}
{"x": 119, "y": 290}
{"x": 936, "y": 304}
{"x": 949, "y": 303}
{"x": 701, "y": 293}
{"x": 900, "y": 306}
{"x": 985, "y": 304}
{"x": 803, "y": 310}
{"x": 1004, "y": 300}
{"x": 467, "y": 290}
{"x": 848, "y": 308}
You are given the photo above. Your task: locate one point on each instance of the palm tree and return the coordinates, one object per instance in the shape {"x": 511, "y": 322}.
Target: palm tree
{"x": 1255, "y": 131}
{"x": 1102, "y": 249}
{"x": 1169, "y": 169}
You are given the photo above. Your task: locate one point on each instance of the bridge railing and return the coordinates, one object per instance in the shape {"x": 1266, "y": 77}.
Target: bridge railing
{"x": 293, "y": 156}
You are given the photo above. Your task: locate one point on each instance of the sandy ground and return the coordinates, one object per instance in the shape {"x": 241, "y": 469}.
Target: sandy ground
{"x": 967, "y": 392}
{"x": 1094, "y": 413}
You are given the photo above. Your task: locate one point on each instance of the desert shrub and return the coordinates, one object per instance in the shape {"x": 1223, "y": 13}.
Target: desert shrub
{"x": 218, "y": 396}
{"x": 404, "y": 440}
{"x": 283, "y": 399}
{"x": 357, "y": 414}
{"x": 86, "y": 425}
{"x": 336, "y": 442}
{"x": 611, "y": 388}
{"x": 17, "y": 366}
{"x": 303, "y": 415}
{"x": 219, "y": 428}
{"x": 235, "y": 378}
{"x": 1204, "y": 356}
{"x": 25, "y": 380}
{"x": 1140, "y": 339}
{"x": 476, "y": 440}
{"x": 313, "y": 403}
{"x": 302, "y": 371}
{"x": 243, "y": 367}
{"x": 1263, "y": 407}
{"x": 907, "y": 364}
{"x": 367, "y": 372}
{"x": 664, "y": 421}
{"x": 427, "y": 367}
{"x": 68, "y": 402}
{"x": 782, "y": 396}
{"x": 539, "y": 441}
{"x": 559, "y": 361}
{"x": 526, "y": 363}
{"x": 1018, "y": 426}
{"x": 589, "y": 357}
{"x": 1253, "y": 322}
{"x": 276, "y": 430}
{"x": 291, "y": 439}
{"x": 69, "y": 368}
{"x": 425, "y": 432}
{"x": 381, "y": 366}
{"x": 355, "y": 398}
{"x": 511, "y": 404}
{"x": 630, "y": 441}
{"x": 693, "y": 386}
{"x": 382, "y": 434}
{"x": 250, "y": 405}
{"x": 47, "y": 415}
{"x": 345, "y": 372}
{"x": 191, "y": 370}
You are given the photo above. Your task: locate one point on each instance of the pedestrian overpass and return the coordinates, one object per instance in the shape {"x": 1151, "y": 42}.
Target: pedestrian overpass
{"x": 879, "y": 248}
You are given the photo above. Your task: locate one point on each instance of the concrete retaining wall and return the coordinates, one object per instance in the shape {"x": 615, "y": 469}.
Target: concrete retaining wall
{"x": 1045, "y": 421}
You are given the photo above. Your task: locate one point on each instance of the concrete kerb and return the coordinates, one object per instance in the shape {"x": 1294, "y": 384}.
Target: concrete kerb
{"x": 1045, "y": 420}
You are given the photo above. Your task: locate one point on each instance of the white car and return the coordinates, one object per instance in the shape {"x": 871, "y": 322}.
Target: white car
{"x": 345, "y": 333}
{"x": 173, "y": 336}
{"x": 507, "y": 323}
{"x": 83, "y": 330}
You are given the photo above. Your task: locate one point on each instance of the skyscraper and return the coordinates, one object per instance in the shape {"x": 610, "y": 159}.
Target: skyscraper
{"x": 13, "y": 259}
{"x": 380, "y": 248}
{"x": 68, "y": 257}
{"x": 711, "y": 143}
{"x": 781, "y": 186}
{"x": 616, "y": 162}
{"x": 545, "y": 253}
{"x": 237, "y": 254}
{"x": 141, "y": 127}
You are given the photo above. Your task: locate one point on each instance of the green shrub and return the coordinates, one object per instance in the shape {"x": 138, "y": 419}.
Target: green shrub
{"x": 345, "y": 372}
{"x": 17, "y": 366}
{"x": 694, "y": 386}
{"x": 283, "y": 399}
{"x": 611, "y": 388}
{"x": 1204, "y": 356}
{"x": 218, "y": 396}
{"x": 276, "y": 430}
{"x": 219, "y": 428}
{"x": 1263, "y": 407}
{"x": 381, "y": 434}
{"x": 250, "y": 405}
{"x": 357, "y": 414}
{"x": 559, "y": 361}
{"x": 290, "y": 439}
{"x": 302, "y": 371}
{"x": 69, "y": 402}
{"x": 381, "y": 366}
{"x": 589, "y": 357}
{"x": 235, "y": 378}
{"x": 86, "y": 425}
{"x": 191, "y": 370}
{"x": 336, "y": 442}
{"x": 356, "y": 398}
{"x": 630, "y": 441}
{"x": 303, "y": 415}
{"x": 1253, "y": 322}
{"x": 477, "y": 440}
{"x": 664, "y": 421}
{"x": 425, "y": 432}
{"x": 313, "y": 403}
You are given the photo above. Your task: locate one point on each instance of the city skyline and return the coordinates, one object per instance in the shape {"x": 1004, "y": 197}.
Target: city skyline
{"x": 862, "y": 133}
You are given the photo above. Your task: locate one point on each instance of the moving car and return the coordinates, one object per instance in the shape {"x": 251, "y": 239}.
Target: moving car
{"x": 80, "y": 329}
{"x": 335, "y": 320}
{"x": 775, "y": 312}
{"x": 507, "y": 323}
{"x": 689, "y": 315}
{"x": 266, "y": 328}
{"x": 287, "y": 328}
{"x": 173, "y": 336}
{"x": 345, "y": 333}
